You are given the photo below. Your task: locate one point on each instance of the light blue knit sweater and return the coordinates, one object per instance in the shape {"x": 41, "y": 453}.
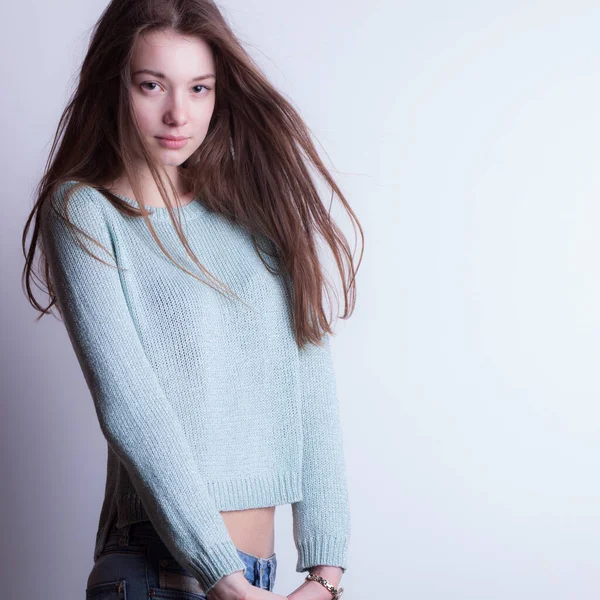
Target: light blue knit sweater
{"x": 206, "y": 404}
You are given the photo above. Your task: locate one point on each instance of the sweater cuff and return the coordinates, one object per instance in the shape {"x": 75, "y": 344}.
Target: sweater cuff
{"x": 322, "y": 550}
{"x": 216, "y": 562}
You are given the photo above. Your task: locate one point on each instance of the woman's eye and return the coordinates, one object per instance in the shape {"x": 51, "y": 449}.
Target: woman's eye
{"x": 152, "y": 83}
{"x": 148, "y": 83}
{"x": 202, "y": 86}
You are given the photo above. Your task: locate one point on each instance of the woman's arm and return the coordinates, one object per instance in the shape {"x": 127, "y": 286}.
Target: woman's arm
{"x": 321, "y": 520}
{"x": 135, "y": 416}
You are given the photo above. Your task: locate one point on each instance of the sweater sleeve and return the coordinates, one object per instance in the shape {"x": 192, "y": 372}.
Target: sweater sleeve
{"x": 134, "y": 414}
{"x": 321, "y": 520}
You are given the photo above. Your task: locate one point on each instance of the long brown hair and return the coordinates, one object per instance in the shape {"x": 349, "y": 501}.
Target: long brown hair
{"x": 253, "y": 165}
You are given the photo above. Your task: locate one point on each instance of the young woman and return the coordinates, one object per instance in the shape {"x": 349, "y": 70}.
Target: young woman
{"x": 178, "y": 224}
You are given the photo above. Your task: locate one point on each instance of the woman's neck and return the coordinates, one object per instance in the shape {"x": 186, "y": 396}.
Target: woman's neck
{"x": 150, "y": 194}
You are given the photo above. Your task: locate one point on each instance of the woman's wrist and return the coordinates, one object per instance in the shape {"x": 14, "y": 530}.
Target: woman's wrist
{"x": 313, "y": 590}
{"x": 332, "y": 574}
{"x": 230, "y": 587}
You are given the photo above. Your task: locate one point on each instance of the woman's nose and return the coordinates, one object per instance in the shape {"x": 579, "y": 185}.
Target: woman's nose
{"x": 176, "y": 113}
{"x": 176, "y": 116}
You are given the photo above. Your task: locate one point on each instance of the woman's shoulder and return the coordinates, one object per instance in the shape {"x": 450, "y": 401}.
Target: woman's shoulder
{"x": 79, "y": 203}
{"x": 78, "y": 193}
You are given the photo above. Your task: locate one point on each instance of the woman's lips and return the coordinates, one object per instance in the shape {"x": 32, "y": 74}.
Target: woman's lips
{"x": 173, "y": 144}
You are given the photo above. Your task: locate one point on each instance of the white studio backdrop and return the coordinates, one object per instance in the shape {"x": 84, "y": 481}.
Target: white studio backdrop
{"x": 465, "y": 136}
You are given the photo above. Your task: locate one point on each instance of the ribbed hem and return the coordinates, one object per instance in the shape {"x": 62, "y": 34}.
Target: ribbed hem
{"x": 268, "y": 489}
{"x": 260, "y": 490}
{"x": 216, "y": 562}
{"x": 322, "y": 550}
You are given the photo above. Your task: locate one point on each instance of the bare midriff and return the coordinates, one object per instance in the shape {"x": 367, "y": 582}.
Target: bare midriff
{"x": 252, "y": 530}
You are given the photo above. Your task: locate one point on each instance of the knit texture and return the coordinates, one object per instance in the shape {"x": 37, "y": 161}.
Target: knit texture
{"x": 206, "y": 404}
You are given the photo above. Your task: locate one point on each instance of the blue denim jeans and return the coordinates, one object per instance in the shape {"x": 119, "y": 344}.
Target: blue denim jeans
{"x": 136, "y": 565}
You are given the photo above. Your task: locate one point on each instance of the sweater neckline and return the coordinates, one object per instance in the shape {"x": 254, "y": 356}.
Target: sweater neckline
{"x": 191, "y": 210}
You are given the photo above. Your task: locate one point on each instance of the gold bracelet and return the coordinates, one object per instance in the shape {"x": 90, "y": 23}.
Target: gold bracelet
{"x": 336, "y": 593}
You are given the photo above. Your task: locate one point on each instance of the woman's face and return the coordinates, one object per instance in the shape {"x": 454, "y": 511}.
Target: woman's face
{"x": 173, "y": 93}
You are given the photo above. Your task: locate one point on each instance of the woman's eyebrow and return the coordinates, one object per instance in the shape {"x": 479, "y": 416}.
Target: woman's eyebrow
{"x": 163, "y": 76}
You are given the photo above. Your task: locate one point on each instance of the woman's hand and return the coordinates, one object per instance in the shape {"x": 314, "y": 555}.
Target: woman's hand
{"x": 257, "y": 594}
{"x": 236, "y": 587}
{"x": 231, "y": 587}
{"x": 310, "y": 590}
